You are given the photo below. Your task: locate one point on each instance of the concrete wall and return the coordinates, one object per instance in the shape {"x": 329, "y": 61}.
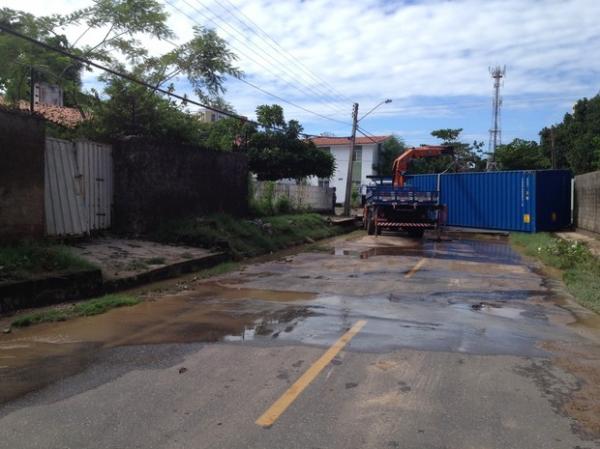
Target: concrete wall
{"x": 21, "y": 176}
{"x": 318, "y": 199}
{"x": 155, "y": 182}
{"x": 587, "y": 201}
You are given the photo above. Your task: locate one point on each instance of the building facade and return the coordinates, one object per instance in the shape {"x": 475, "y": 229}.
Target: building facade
{"x": 365, "y": 157}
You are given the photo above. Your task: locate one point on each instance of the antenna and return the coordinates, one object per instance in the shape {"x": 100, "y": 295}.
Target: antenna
{"x": 497, "y": 74}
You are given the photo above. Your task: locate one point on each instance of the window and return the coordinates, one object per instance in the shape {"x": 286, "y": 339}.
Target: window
{"x": 357, "y": 156}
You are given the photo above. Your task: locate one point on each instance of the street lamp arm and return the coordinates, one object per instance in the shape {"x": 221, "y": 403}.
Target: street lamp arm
{"x": 383, "y": 102}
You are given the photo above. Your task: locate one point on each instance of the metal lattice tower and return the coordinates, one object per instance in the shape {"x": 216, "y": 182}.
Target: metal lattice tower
{"x": 498, "y": 74}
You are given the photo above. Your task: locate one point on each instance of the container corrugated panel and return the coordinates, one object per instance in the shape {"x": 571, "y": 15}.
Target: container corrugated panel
{"x": 527, "y": 201}
{"x": 553, "y": 200}
{"x": 422, "y": 183}
{"x": 63, "y": 191}
{"x": 490, "y": 200}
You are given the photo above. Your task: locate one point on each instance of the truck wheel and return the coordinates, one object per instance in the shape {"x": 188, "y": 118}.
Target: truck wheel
{"x": 370, "y": 225}
{"x": 416, "y": 232}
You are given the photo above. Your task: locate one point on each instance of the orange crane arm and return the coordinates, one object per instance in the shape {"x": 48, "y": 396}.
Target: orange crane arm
{"x": 401, "y": 163}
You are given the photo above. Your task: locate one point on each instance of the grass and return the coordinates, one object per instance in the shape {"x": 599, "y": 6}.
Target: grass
{"x": 86, "y": 308}
{"x": 27, "y": 258}
{"x": 580, "y": 269}
{"x": 243, "y": 237}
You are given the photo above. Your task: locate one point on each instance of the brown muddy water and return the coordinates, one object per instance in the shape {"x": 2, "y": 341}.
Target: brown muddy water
{"x": 39, "y": 355}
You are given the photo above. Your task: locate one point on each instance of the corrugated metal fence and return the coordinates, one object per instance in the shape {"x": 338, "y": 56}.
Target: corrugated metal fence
{"x": 78, "y": 186}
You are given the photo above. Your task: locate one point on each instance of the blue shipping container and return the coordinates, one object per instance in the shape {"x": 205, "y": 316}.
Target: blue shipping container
{"x": 527, "y": 201}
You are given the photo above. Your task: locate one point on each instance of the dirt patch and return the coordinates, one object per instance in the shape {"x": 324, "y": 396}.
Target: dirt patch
{"x": 583, "y": 362}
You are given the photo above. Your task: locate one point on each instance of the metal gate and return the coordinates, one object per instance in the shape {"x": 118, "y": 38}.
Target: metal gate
{"x": 78, "y": 187}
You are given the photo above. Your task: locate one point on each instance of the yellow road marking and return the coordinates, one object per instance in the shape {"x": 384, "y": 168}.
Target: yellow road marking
{"x": 416, "y": 268}
{"x": 269, "y": 417}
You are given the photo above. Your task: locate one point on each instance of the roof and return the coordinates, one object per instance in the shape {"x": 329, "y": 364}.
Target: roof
{"x": 329, "y": 141}
{"x": 69, "y": 117}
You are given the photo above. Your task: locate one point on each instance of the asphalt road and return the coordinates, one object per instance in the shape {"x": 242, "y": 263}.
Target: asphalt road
{"x": 361, "y": 343}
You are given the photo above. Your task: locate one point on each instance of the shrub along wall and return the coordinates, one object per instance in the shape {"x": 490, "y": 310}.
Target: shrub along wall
{"x": 156, "y": 182}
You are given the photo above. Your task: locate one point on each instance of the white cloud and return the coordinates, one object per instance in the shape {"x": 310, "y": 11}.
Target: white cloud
{"x": 431, "y": 57}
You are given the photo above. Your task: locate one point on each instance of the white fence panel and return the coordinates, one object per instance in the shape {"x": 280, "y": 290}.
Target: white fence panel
{"x": 95, "y": 160}
{"x": 63, "y": 195}
{"x": 78, "y": 187}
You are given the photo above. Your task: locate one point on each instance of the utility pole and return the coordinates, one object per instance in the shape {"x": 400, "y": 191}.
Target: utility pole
{"x": 348, "y": 196}
{"x": 31, "y": 89}
{"x": 495, "y": 133}
{"x": 553, "y": 148}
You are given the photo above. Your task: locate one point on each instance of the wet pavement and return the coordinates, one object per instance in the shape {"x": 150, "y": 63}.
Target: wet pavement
{"x": 464, "y": 345}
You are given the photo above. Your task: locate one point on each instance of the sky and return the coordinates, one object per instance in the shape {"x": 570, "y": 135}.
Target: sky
{"x": 430, "y": 57}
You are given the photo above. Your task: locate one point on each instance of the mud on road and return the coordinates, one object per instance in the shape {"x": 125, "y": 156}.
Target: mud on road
{"x": 466, "y": 300}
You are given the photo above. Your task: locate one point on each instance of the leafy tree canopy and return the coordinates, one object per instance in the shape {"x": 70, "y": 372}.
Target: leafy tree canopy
{"x": 204, "y": 61}
{"x": 279, "y": 152}
{"x": 466, "y": 156}
{"x": 390, "y": 150}
{"x": 576, "y": 138}
{"x": 521, "y": 155}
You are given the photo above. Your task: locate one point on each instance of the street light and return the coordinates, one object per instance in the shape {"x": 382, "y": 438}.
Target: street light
{"x": 387, "y": 101}
{"x": 355, "y": 120}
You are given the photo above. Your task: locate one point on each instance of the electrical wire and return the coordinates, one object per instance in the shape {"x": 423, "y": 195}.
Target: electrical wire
{"x": 253, "y": 27}
{"x": 132, "y": 79}
{"x": 292, "y": 84}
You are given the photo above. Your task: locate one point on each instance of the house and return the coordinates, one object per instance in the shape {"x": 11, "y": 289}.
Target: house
{"x": 209, "y": 116}
{"x": 366, "y": 155}
{"x": 48, "y": 104}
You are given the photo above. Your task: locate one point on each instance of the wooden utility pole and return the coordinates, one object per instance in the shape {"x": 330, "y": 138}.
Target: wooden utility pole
{"x": 31, "y": 89}
{"x": 348, "y": 196}
{"x": 553, "y": 148}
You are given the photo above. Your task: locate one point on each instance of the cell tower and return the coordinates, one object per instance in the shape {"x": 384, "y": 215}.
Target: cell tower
{"x": 498, "y": 74}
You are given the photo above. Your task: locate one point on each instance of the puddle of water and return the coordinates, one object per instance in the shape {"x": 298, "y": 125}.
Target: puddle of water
{"x": 471, "y": 250}
{"x": 37, "y": 356}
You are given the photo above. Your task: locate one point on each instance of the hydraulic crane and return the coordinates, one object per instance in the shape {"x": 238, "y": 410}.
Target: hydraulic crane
{"x": 396, "y": 206}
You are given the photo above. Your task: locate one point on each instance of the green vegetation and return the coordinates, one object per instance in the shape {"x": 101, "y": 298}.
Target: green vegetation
{"x": 521, "y": 155}
{"x": 86, "y": 308}
{"x": 27, "y": 258}
{"x": 391, "y": 149}
{"x": 580, "y": 269}
{"x": 466, "y": 156}
{"x": 577, "y": 138}
{"x": 243, "y": 237}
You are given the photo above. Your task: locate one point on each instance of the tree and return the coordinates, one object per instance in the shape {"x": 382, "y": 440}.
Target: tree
{"x": 278, "y": 152}
{"x": 576, "y": 138}
{"x": 205, "y": 60}
{"x": 20, "y": 57}
{"x": 466, "y": 156}
{"x": 391, "y": 149}
{"x": 521, "y": 155}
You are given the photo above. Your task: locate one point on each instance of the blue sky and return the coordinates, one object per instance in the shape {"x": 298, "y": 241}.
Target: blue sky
{"x": 430, "y": 57}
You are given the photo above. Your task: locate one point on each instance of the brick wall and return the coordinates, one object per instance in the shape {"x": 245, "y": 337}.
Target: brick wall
{"x": 22, "y": 140}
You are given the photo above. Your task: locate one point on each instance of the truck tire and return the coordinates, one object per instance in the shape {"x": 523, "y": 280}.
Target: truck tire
{"x": 370, "y": 225}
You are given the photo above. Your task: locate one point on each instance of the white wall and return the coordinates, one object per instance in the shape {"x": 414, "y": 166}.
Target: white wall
{"x": 341, "y": 153}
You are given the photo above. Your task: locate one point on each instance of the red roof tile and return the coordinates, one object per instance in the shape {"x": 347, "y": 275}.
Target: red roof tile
{"x": 69, "y": 117}
{"x": 329, "y": 141}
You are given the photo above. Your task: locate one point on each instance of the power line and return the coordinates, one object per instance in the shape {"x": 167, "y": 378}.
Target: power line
{"x": 132, "y": 79}
{"x": 325, "y": 92}
{"x": 277, "y": 47}
{"x": 276, "y": 75}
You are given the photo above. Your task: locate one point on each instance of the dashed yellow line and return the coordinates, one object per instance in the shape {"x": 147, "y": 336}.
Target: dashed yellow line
{"x": 416, "y": 268}
{"x": 269, "y": 417}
